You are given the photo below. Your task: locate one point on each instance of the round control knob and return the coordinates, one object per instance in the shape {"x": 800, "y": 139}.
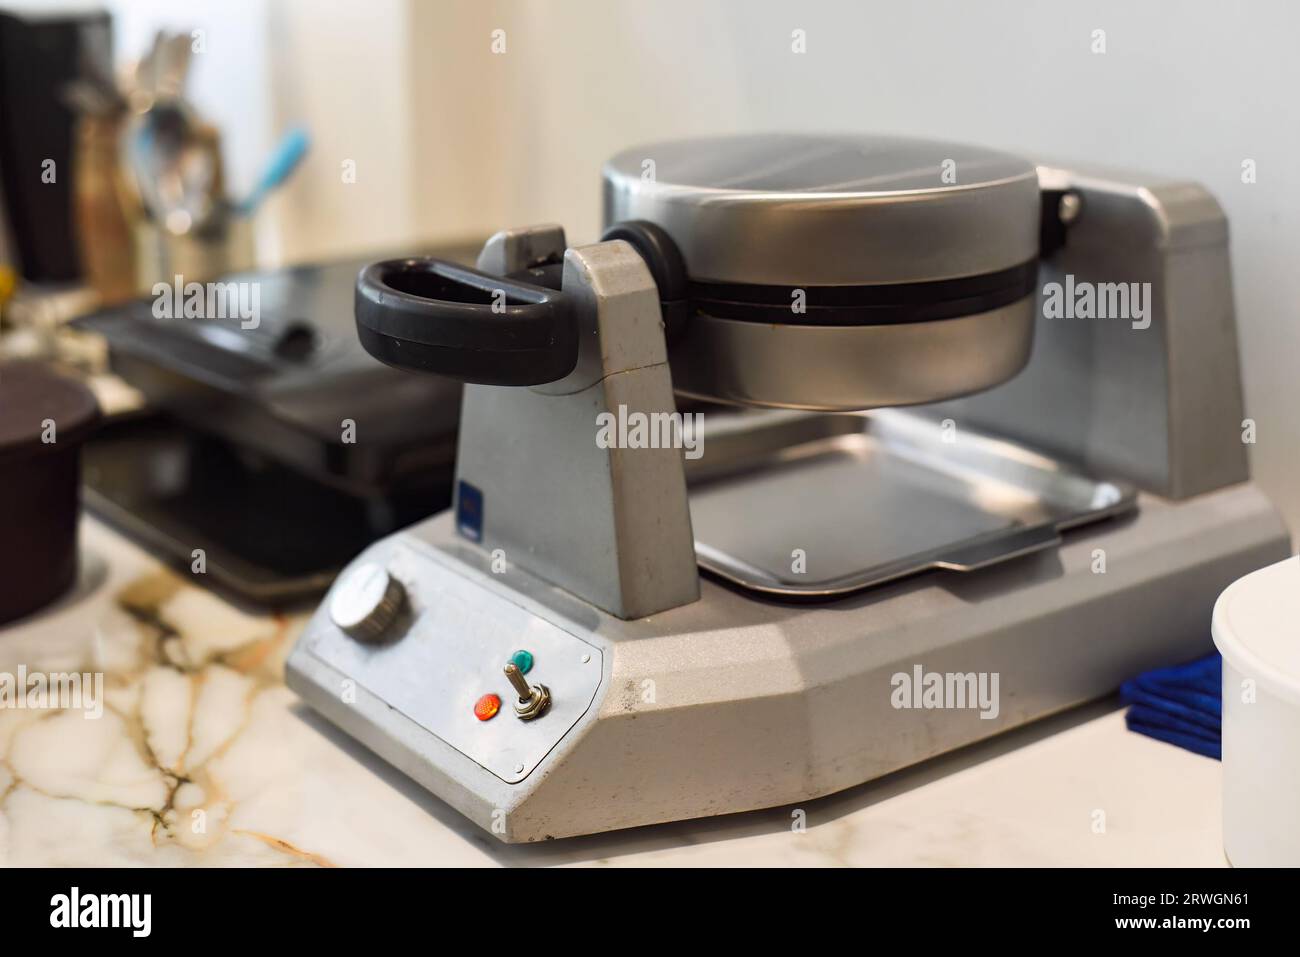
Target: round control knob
{"x": 367, "y": 601}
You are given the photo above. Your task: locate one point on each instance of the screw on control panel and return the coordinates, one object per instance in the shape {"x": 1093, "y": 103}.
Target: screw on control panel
{"x": 533, "y": 700}
{"x": 1069, "y": 207}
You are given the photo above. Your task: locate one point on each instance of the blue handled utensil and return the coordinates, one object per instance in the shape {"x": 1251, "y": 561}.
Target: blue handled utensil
{"x": 287, "y": 155}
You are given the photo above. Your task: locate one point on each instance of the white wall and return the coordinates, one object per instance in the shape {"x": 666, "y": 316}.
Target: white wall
{"x": 452, "y": 140}
{"x": 342, "y": 68}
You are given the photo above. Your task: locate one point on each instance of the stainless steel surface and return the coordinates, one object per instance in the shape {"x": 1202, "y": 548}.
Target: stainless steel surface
{"x": 1159, "y": 404}
{"x": 451, "y": 655}
{"x": 366, "y": 602}
{"x": 830, "y": 210}
{"x": 814, "y": 211}
{"x": 610, "y": 525}
{"x": 845, "y": 368}
{"x": 851, "y": 501}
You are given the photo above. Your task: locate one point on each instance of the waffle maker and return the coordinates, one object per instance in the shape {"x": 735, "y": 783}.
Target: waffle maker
{"x": 1054, "y": 512}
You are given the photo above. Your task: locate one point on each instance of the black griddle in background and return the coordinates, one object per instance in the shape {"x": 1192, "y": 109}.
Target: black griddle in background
{"x": 242, "y": 452}
{"x": 270, "y": 535}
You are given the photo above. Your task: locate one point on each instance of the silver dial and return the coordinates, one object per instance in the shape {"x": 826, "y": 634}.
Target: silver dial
{"x": 366, "y": 602}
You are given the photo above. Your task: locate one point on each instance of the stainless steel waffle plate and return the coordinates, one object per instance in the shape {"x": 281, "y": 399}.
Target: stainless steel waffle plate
{"x": 866, "y": 498}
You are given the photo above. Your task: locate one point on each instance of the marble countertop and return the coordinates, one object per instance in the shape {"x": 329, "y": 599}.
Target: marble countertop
{"x": 201, "y": 756}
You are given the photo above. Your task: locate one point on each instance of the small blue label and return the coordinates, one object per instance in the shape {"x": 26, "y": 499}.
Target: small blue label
{"x": 469, "y": 511}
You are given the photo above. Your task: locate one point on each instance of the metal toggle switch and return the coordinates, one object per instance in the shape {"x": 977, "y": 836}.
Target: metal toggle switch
{"x": 533, "y": 699}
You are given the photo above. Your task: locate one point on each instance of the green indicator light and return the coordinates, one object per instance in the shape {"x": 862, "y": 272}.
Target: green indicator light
{"x": 523, "y": 660}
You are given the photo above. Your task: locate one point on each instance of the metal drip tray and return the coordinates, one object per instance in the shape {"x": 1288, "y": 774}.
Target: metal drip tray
{"x": 865, "y": 498}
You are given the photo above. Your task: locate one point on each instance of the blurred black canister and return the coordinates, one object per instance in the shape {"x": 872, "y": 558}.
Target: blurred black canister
{"x": 44, "y": 418}
{"x": 45, "y": 50}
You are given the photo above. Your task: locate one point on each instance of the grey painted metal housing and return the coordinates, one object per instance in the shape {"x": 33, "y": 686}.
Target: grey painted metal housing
{"x": 730, "y": 703}
{"x": 1155, "y": 400}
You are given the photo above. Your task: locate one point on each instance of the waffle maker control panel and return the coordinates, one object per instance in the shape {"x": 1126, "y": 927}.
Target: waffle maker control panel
{"x": 494, "y": 681}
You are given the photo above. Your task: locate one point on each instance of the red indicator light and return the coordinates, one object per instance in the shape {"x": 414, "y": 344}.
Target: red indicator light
{"x": 487, "y": 707}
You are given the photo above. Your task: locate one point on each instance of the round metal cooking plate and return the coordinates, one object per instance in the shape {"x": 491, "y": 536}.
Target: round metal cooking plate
{"x": 830, "y": 210}
{"x": 841, "y": 272}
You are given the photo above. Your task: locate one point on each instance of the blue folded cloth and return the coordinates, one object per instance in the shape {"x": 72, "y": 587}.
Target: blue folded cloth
{"x": 1181, "y": 705}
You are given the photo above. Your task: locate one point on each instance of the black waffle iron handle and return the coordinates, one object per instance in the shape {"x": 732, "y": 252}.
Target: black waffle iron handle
{"x": 430, "y": 315}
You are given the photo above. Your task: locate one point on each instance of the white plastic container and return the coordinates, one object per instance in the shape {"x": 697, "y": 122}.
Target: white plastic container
{"x": 1257, "y": 630}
